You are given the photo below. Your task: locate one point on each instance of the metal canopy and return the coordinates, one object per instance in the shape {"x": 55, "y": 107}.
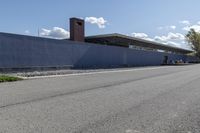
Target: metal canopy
{"x": 124, "y": 41}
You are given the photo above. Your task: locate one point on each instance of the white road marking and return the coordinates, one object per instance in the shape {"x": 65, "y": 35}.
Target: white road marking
{"x": 93, "y": 73}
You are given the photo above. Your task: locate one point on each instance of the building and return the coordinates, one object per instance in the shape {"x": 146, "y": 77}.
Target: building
{"x": 19, "y": 52}
{"x": 77, "y": 33}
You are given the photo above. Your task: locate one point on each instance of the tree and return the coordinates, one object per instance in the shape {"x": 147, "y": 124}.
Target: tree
{"x": 193, "y": 39}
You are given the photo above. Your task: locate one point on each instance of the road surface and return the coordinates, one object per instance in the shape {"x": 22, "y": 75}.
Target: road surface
{"x": 144, "y": 100}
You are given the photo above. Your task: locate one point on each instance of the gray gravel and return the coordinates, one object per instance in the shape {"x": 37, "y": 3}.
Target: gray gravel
{"x": 51, "y": 72}
{"x": 160, "y": 100}
{"x": 37, "y": 73}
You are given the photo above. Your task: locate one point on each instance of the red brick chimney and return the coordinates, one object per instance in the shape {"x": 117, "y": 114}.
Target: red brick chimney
{"x": 77, "y": 29}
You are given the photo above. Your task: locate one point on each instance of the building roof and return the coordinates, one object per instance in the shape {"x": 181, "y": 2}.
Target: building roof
{"x": 124, "y": 41}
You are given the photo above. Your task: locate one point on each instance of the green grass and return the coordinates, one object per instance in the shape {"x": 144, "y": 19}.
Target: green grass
{"x": 4, "y": 78}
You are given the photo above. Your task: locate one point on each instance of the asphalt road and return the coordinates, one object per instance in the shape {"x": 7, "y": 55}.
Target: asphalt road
{"x": 146, "y": 100}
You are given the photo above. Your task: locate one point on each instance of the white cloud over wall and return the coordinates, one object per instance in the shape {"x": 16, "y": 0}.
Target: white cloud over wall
{"x": 100, "y": 22}
{"x": 56, "y": 33}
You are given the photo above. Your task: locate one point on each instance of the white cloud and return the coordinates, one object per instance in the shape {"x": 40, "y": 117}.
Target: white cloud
{"x": 139, "y": 35}
{"x": 176, "y": 36}
{"x": 172, "y": 27}
{"x": 195, "y": 27}
{"x": 56, "y": 33}
{"x": 100, "y": 22}
{"x": 171, "y": 36}
{"x": 187, "y": 28}
{"x": 185, "y": 22}
{"x": 27, "y": 32}
{"x": 149, "y": 39}
{"x": 160, "y": 28}
{"x": 160, "y": 38}
{"x": 171, "y": 39}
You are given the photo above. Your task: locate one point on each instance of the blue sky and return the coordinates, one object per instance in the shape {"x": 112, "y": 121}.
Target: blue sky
{"x": 166, "y": 21}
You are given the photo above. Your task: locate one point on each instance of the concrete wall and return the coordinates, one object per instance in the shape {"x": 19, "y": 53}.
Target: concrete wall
{"x": 17, "y": 51}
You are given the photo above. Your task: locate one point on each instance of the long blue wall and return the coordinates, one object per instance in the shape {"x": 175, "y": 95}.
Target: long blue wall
{"x": 18, "y": 51}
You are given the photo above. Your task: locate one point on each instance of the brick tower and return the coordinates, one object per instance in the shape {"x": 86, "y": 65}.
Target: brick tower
{"x": 77, "y": 29}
